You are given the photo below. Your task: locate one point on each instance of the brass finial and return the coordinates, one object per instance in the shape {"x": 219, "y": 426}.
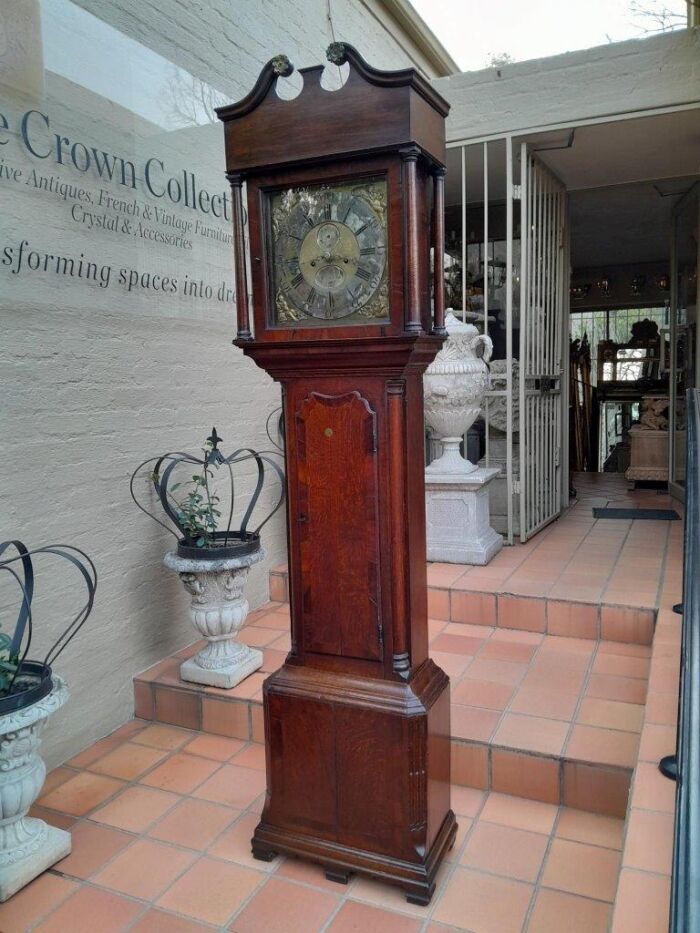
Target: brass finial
{"x": 282, "y": 66}
{"x": 336, "y": 53}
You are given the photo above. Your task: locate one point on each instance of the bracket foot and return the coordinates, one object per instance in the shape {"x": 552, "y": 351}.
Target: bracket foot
{"x": 263, "y": 855}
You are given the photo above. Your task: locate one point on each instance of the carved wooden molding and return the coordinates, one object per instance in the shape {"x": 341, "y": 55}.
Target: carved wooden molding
{"x": 417, "y": 777}
{"x": 338, "y": 53}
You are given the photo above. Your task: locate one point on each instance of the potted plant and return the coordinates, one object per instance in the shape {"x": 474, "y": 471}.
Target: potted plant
{"x": 29, "y": 693}
{"x": 212, "y": 561}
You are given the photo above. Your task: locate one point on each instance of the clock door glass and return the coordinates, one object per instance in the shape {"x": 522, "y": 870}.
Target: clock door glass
{"x": 329, "y": 254}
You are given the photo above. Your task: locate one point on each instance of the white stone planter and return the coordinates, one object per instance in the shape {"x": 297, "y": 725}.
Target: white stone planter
{"x": 458, "y": 523}
{"x": 454, "y": 385}
{"x": 28, "y": 846}
{"x": 218, "y": 612}
{"x": 457, "y": 500}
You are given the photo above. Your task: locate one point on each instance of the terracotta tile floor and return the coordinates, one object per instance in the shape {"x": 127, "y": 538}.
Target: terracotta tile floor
{"x": 580, "y": 576}
{"x": 162, "y": 816}
{"x": 552, "y": 698}
{"x": 535, "y": 691}
{"x": 167, "y": 850}
{"x": 579, "y": 558}
{"x": 543, "y": 693}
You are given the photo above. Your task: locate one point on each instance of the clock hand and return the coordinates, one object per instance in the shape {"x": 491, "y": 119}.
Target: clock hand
{"x": 331, "y": 257}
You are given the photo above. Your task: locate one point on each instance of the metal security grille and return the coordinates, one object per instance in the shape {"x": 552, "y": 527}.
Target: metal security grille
{"x": 543, "y": 333}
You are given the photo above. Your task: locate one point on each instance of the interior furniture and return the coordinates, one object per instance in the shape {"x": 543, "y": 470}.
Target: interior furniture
{"x": 345, "y": 198}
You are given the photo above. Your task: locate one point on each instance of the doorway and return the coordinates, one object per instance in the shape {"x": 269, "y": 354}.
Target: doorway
{"x": 633, "y": 351}
{"x": 623, "y": 189}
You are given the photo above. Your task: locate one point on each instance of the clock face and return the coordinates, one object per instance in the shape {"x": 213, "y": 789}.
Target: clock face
{"x": 329, "y": 254}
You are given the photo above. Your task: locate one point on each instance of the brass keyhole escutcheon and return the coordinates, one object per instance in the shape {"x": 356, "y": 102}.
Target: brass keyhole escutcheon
{"x": 328, "y": 432}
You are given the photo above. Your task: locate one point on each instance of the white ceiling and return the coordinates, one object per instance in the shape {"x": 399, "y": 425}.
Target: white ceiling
{"x": 622, "y": 224}
{"x": 662, "y": 146}
{"x": 617, "y": 174}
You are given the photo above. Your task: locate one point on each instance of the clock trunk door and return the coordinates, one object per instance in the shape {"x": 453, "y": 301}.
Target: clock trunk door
{"x": 338, "y": 523}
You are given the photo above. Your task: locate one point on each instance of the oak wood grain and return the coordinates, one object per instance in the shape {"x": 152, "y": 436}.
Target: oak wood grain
{"x": 357, "y": 725}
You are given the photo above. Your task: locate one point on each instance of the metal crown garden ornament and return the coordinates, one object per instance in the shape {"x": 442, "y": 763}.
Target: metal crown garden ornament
{"x": 29, "y": 693}
{"x": 212, "y": 562}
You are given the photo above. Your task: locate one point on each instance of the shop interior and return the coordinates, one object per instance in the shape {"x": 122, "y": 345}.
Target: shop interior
{"x": 629, "y": 241}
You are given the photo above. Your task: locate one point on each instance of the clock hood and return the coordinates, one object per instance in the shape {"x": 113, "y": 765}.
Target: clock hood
{"x": 374, "y": 110}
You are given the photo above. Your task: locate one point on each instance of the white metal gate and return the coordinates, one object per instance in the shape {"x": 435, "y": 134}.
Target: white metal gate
{"x": 543, "y": 336}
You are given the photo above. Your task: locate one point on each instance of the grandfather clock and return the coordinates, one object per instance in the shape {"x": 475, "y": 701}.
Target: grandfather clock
{"x": 345, "y": 200}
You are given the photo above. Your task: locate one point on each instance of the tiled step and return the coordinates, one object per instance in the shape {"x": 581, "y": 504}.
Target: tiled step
{"x": 497, "y": 596}
{"x": 549, "y": 718}
{"x": 580, "y": 577}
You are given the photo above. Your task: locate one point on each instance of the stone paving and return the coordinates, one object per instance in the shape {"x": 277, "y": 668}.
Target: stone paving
{"x": 550, "y": 707}
{"x": 162, "y": 817}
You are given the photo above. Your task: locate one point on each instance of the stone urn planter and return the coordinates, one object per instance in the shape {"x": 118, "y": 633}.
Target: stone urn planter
{"x": 218, "y": 611}
{"x": 28, "y": 846}
{"x": 212, "y": 558}
{"x": 454, "y": 386}
{"x": 457, "y": 497}
{"x": 29, "y": 693}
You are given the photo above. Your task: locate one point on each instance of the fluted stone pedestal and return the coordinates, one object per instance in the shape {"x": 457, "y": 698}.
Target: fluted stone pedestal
{"x": 218, "y": 612}
{"x": 457, "y": 517}
{"x": 28, "y": 846}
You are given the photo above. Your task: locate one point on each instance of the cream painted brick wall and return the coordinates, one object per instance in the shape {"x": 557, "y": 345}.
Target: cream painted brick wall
{"x": 244, "y": 34}
{"x": 660, "y": 71}
{"x": 82, "y": 405}
{"x": 87, "y": 395}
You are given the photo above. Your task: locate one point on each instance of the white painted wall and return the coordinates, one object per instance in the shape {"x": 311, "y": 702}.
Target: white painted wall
{"x": 94, "y": 380}
{"x": 659, "y": 71}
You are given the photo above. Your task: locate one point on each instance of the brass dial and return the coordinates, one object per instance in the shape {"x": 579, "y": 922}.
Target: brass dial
{"x": 329, "y": 248}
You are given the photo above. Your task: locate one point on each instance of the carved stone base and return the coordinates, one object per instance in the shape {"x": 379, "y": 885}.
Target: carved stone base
{"x": 55, "y": 845}
{"x": 451, "y": 460}
{"x": 457, "y": 518}
{"x": 245, "y": 663}
{"x": 218, "y": 611}
{"x": 498, "y": 489}
{"x": 27, "y": 846}
{"x": 648, "y": 454}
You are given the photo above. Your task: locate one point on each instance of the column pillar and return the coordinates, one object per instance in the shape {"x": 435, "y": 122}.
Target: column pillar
{"x": 439, "y": 252}
{"x": 413, "y": 323}
{"x": 242, "y": 308}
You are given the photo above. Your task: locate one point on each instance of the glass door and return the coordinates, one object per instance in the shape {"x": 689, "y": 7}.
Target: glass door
{"x": 684, "y": 368}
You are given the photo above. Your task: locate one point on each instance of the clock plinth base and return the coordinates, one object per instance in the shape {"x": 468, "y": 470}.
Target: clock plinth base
{"x": 358, "y": 775}
{"x": 417, "y": 880}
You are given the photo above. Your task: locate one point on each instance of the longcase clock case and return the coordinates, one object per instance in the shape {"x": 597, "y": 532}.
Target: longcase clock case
{"x": 357, "y": 724}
